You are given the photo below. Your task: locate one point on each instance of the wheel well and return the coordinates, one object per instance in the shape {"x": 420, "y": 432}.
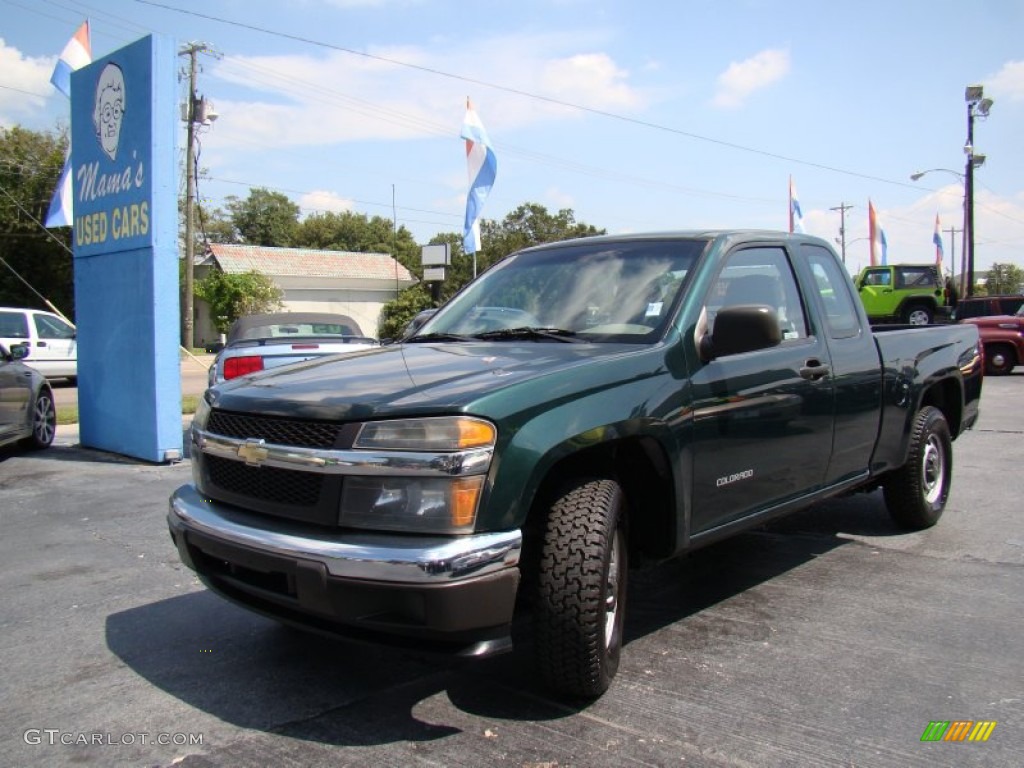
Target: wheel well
{"x": 927, "y": 302}
{"x": 947, "y": 397}
{"x": 640, "y": 466}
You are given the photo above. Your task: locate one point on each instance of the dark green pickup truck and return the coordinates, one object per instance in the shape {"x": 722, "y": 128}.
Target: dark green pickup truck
{"x": 581, "y": 406}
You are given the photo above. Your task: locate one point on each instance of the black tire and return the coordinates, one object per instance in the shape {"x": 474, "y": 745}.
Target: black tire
{"x": 1000, "y": 359}
{"x": 581, "y": 589}
{"x": 44, "y": 420}
{"x": 918, "y": 314}
{"x": 916, "y": 493}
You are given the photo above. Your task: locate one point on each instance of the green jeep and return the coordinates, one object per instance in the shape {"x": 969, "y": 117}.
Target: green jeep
{"x": 903, "y": 293}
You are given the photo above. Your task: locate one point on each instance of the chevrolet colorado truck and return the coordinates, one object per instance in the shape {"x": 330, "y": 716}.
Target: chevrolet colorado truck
{"x": 580, "y": 406}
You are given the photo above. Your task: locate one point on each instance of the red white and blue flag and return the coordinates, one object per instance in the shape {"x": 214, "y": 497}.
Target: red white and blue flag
{"x": 876, "y": 235}
{"x": 796, "y": 215}
{"x": 77, "y": 53}
{"x": 483, "y": 167}
{"x": 937, "y": 239}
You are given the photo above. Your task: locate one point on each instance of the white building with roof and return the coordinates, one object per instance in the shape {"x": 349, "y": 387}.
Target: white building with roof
{"x": 349, "y": 283}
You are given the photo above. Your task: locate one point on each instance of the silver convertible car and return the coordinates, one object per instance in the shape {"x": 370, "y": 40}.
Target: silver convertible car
{"x": 259, "y": 342}
{"x": 27, "y": 412}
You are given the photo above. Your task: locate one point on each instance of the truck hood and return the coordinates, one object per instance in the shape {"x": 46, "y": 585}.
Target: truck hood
{"x": 388, "y": 380}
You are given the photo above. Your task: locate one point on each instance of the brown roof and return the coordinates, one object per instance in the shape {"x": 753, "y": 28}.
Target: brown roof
{"x": 306, "y": 262}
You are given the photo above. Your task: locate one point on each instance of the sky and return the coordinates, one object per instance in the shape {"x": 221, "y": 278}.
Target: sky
{"x": 638, "y": 116}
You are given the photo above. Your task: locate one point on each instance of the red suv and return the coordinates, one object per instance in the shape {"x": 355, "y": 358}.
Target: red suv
{"x": 1002, "y": 336}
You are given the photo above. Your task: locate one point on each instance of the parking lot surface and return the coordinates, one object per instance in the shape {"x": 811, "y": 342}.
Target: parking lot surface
{"x": 829, "y": 638}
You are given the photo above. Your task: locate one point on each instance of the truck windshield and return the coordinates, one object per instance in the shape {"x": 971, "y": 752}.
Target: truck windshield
{"x": 622, "y": 291}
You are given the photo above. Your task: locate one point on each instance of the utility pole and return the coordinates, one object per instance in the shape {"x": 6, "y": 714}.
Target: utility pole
{"x": 842, "y": 208}
{"x": 952, "y": 249}
{"x": 187, "y": 329}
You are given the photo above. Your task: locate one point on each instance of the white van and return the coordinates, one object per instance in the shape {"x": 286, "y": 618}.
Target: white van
{"x": 52, "y": 349}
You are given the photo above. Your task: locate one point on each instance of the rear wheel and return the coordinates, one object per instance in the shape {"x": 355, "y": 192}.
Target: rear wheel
{"x": 581, "y": 590}
{"x": 918, "y": 314}
{"x": 999, "y": 359}
{"x": 916, "y": 493}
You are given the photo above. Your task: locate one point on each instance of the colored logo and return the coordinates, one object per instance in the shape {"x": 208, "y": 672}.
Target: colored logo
{"x": 958, "y": 730}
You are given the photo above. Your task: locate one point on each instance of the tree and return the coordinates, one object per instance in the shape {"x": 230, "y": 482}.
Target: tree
{"x": 264, "y": 218}
{"x": 30, "y": 166}
{"x": 1004, "y": 278}
{"x": 347, "y": 231}
{"x": 395, "y": 315}
{"x": 531, "y": 224}
{"x": 232, "y": 295}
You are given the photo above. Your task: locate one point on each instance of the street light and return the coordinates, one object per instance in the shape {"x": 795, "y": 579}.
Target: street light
{"x": 977, "y": 105}
{"x": 963, "y": 247}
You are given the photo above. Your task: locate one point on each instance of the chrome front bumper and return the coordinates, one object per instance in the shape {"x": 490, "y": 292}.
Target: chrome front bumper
{"x": 365, "y": 556}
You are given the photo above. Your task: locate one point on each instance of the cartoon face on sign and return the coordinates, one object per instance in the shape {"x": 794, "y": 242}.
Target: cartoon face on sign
{"x": 109, "y": 108}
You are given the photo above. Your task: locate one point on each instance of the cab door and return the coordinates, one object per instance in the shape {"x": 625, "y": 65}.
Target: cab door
{"x": 763, "y": 420}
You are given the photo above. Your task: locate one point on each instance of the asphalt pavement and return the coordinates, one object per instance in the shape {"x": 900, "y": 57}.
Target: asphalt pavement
{"x": 827, "y": 639}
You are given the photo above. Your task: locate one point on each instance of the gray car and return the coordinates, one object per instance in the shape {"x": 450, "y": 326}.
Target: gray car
{"x": 27, "y": 412}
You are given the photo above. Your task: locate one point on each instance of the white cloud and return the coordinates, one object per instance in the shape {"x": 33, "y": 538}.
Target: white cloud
{"x": 559, "y": 199}
{"x": 320, "y": 200}
{"x": 325, "y": 99}
{"x": 27, "y": 83}
{"x": 743, "y": 78}
{"x": 589, "y": 79}
{"x": 1007, "y": 83}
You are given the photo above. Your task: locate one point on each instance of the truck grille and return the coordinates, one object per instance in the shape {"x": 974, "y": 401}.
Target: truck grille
{"x": 287, "y": 493}
{"x": 305, "y": 434}
{"x": 281, "y": 486}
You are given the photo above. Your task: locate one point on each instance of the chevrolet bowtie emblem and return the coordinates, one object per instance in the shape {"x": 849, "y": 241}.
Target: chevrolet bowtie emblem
{"x": 253, "y": 451}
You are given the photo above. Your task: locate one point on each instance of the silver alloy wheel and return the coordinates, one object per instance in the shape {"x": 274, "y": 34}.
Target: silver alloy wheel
{"x": 44, "y": 419}
{"x": 933, "y": 470}
{"x": 918, "y": 317}
{"x": 611, "y": 590}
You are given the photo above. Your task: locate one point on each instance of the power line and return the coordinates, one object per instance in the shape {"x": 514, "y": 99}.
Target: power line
{"x": 527, "y": 94}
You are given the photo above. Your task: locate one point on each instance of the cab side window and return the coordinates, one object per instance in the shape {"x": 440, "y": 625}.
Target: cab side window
{"x": 53, "y": 328}
{"x": 760, "y": 276}
{"x": 878, "y": 277}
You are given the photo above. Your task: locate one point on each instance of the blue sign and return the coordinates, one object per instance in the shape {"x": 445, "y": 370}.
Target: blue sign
{"x": 124, "y": 180}
{"x": 112, "y": 161}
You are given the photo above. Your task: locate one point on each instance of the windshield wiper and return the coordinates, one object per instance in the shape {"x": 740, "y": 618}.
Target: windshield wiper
{"x": 438, "y": 337}
{"x": 529, "y": 332}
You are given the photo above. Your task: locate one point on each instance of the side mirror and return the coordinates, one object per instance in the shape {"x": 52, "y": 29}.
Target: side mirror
{"x": 19, "y": 351}
{"x": 745, "y": 328}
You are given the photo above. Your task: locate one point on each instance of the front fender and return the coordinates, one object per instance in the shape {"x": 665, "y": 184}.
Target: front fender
{"x": 564, "y": 430}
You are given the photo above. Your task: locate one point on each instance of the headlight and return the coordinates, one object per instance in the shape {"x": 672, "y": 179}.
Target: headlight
{"x": 412, "y": 504}
{"x": 419, "y": 503}
{"x": 448, "y": 433}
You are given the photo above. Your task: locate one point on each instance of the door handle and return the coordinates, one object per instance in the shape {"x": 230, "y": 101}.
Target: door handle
{"x": 40, "y": 343}
{"x": 813, "y": 370}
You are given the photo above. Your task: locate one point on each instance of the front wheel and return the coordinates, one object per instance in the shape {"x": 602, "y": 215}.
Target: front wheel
{"x": 916, "y": 493}
{"x": 581, "y": 589}
{"x": 999, "y": 359}
{"x": 44, "y": 420}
